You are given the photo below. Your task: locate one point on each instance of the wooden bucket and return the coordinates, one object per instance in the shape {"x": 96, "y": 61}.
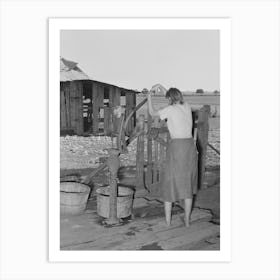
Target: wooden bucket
{"x": 73, "y": 197}
{"x": 124, "y": 201}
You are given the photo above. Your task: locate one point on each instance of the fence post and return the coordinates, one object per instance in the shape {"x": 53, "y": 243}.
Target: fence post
{"x": 202, "y": 140}
{"x": 140, "y": 186}
{"x": 149, "y": 176}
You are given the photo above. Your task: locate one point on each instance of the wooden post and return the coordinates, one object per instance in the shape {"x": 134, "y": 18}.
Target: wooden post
{"x": 140, "y": 152}
{"x": 156, "y": 155}
{"x": 79, "y": 106}
{"x": 162, "y": 157}
{"x": 76, "y": 106}
{"x": 111, "y": 96}
{"x": 73, "y": 106}
{"x": 95, "y": 109}
{"x": 202, "y": 140}
{"x": 130, "y": 105}
{"x": 67, "y": 104}
{"x": 149, "y": 177}
{"x": 113, "y": 163}
{"x": 108, "y": 126}
{"x": 63, "y": 117}
{"x": 100, "y": 102}
{"x": 120, "y": 135}
{"x": 97, "y": 103}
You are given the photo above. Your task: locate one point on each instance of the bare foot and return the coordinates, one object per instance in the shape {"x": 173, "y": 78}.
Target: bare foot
{"x": 167, "y": 223}
{"x": 185, "y": 221}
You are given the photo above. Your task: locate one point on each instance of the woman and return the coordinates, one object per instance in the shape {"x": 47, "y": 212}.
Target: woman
{"x": 180, "y": 176}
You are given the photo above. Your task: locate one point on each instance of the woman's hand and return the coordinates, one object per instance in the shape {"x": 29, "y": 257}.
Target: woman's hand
{"x": 158, "y": 89}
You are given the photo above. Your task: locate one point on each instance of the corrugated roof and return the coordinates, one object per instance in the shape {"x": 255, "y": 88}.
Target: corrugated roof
{"x": 69, "y": 71}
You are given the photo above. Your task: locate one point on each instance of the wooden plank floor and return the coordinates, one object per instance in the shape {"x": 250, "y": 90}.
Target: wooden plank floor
{"x": 145, "y": 231}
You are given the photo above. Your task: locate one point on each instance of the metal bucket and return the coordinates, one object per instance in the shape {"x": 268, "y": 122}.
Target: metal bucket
{"x": 124, "y": 201}
{"x": 73, "y": 197}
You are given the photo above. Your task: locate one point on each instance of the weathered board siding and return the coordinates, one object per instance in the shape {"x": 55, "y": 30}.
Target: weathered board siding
{"x": 97, "y": 104}
{"x": 130, "y": 105}
{"x": 71, "y": 106}
{"x": 98, "y": 114}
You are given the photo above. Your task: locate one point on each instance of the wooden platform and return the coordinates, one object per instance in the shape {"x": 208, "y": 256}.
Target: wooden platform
{"x": 145, "y": 231}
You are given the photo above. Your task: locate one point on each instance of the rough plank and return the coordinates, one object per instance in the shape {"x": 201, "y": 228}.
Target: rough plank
{"x": 149, "y": 174}
{"x": 79, "y": 108}
{"x": 95, "y": 108}
{"x": 73, "y": 107}
{"x": 108, "y": 124}
{"x": 84, "y": 231}
{"x": 202, "y": 140}
{"x": 97, "y": 103}
{"x": 130, "y": 105}
{"x": 159, "y": 233}
{"x": 67, "y": 104}
{"x": 62, "y": 110}
{"x": 140, "y": 153}
{"x": 184, "y": 242}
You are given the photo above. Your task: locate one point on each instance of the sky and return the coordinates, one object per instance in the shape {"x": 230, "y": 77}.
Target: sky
{"x": 137, "y": 59}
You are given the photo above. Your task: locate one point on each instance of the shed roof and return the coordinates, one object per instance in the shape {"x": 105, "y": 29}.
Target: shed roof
{"x": 69, "y": 71}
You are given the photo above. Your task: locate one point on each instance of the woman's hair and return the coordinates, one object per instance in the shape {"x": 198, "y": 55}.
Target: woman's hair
{"x": 175, "y": 96}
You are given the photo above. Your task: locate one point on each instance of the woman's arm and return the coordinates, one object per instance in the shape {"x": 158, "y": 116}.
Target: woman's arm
{"x": 158, "y": 88}
{"x": 152, "y": 111}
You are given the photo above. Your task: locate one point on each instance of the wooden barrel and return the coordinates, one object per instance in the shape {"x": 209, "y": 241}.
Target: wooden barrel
{"x": 124, "y": 201}
{"x": 73, "y": 197}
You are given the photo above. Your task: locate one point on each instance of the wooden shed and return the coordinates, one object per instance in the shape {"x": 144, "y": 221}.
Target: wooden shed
{"x": 86, "y": 105}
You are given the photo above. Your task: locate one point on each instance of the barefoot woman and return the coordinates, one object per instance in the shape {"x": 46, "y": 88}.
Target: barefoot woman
{"x": 180, "y": 176}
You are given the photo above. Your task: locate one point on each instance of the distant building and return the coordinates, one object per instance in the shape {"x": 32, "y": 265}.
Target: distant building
{"x": 199, "y": 90}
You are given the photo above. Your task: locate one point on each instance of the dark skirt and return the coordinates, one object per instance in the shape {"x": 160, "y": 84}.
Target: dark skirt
{"x": 180, "y": 176}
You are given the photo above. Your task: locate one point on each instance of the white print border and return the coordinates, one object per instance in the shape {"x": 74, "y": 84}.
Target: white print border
{"x": 221, "y": 24}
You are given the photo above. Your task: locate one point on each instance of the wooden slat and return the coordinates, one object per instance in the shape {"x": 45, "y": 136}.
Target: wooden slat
{"x": 111, "y": 96}
{"x": 159, "y": 233}
{"x": 67, "y": 104}
{"x": 149, "y": 154}
{"x": 62, "y": 110}
{"x": 79, "y": 106}
{"x": 100, "y": 102}
{"x": 95, "y": 108}
{"x": 184, "y": 242}
{"x": 115, "y": 98}
{"x": 108, "y": 125}
{"x": 156, "y": 162}
{"x": 76, "y": 106}
{"x": 97, "y": 103}
{"x": 156, "y": 144}
{"x": 84, "y": 232}
{"x": 130, "y": 105}
{"x": 202, "y": 140}
{"x": 162, "y": 157}
{"x": 73, "y": 107}
{"x": 120, "y": 133}
{"x": 140, "y": 153}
